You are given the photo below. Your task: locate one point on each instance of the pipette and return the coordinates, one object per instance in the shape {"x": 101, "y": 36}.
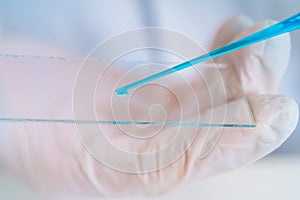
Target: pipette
{"x": 287, "y": 25}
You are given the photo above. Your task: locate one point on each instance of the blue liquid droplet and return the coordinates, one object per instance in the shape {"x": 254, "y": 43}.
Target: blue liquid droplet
{"x": 121, "y": 92}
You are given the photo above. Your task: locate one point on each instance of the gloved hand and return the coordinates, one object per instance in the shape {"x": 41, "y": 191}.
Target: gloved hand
{"x": 53, "y": 159}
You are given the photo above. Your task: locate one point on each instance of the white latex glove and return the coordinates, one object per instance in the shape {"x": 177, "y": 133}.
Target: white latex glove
{"x": 52, "y": 158}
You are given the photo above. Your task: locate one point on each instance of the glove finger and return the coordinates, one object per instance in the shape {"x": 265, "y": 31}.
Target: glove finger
{"x": 276, "y": 118}
{"x": 261, "y": 66}
{"x": 230, "y": 29}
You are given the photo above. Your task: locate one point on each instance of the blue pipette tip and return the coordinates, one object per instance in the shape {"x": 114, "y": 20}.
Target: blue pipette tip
{"x": 121, "y": 92}
{"x": 287, "y": 25}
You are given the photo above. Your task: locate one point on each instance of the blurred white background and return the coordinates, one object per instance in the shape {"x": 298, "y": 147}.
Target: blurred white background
{"x": 275, "y": 178}
{"x": 78, "y": 26}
